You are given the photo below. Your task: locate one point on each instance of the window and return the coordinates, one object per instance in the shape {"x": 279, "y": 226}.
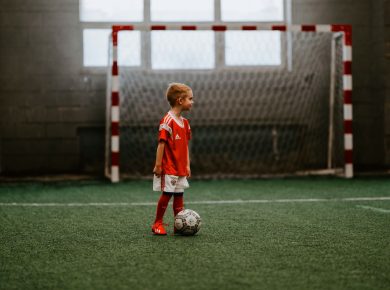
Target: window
{"x": 129, "y": 48}
{"x": 110, "y": 11}
{"x": 261, "y": 48}
{"x": 252, "y": 10}
{"x": 182, "y": 10}
{"x": 251, "y": 48}
{"x": 183, "y": 50}
{"x": 96, "y": 47}
{"x": 191, "y": 49}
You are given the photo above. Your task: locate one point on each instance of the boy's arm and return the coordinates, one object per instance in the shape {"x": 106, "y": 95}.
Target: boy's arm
{"x": 159, "y": 155}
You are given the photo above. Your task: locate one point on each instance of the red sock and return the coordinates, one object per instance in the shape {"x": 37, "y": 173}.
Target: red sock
{"x": 178, "y": 205}
{"x": 162, "y": 206}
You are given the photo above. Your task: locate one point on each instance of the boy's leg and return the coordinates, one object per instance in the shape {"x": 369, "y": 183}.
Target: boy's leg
{"x": 158, "y": 227}
{"x": 178, "y": 202}
{"x": 162, "y": 206}
{"x": 178, "y": 205}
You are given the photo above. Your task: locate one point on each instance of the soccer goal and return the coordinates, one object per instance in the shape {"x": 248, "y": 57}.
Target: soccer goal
{"x": 270, "y": 100}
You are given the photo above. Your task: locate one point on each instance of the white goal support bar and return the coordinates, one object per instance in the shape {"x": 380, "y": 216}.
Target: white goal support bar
{"x": 345, "y": 30}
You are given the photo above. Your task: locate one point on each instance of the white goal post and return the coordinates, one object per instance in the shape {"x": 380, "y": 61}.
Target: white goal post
{"x": 266, "y": 129}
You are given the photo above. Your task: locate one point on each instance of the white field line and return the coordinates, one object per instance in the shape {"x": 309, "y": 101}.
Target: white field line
{"x": 235, "y": 201}
{"x": 381, "y": 210}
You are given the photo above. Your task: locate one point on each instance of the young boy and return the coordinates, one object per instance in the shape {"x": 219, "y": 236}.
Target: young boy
{"x": 172, "y": 158}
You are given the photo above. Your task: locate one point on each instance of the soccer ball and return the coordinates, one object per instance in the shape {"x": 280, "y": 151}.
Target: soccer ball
{"x": 187, "y": 222}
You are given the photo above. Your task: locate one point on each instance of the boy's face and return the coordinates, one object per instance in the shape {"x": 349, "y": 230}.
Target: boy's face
{"x": 186, "y": 103}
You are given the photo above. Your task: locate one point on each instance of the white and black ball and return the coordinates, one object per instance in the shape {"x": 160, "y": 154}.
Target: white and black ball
{"x": 187, "y": 222}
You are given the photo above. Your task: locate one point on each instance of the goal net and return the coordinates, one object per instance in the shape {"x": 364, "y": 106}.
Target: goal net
{"x": 261, "y": 109}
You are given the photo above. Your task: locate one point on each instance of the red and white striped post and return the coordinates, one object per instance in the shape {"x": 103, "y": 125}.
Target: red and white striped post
{"x": 346, "y": 30}
{"x": 347, "y": 89}
{"x": 115, "y": 106}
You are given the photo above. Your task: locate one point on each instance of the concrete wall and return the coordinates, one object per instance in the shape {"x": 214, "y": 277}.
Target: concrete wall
{"x": 48, "y": 104}
{"x": 386, "y": 10}
{"x": 52, "y": 111}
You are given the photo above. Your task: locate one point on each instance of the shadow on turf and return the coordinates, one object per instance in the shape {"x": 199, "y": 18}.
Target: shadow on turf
{"x": 177, "y": 236}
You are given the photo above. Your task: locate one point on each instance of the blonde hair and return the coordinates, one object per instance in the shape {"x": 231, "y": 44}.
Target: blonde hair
{"x": 176, "y": 91}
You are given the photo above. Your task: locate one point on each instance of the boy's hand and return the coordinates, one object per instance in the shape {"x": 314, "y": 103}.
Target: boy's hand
{"x": 188, "y": 172}
{"x": 157, "y": 170}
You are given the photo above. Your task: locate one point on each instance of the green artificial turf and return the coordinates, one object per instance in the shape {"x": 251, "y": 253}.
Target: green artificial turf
{"x": 331, "y": 244}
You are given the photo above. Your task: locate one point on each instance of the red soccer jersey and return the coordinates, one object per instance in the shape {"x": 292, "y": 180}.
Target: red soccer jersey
{"x": 176, "y": 133}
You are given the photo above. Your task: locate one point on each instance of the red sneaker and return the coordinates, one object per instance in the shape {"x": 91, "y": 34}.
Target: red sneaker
{"x": 158, "y": 229}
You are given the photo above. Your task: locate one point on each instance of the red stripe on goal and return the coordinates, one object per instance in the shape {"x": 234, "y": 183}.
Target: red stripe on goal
{"x": 249, "y": 27}
{"x": 115, "y": 99}
{"x": 347, "y": 29}
{"x": 347, "y": 67}
{"x": 308, "y": 28}
{"x": 219, "y": 27}
{"x": 114, "y": 158}
{"x": 347, "y": 97}
{"x": 115, "y": 68}
{"x": 337, "y": 27}
{"x": 117, "y": 28}
{"x": 348, "y": 156}
{"x": 188, "y": 27}
{"x": 348, "y": 38}
{"x": 279, "y": 27}
{"x": 158, "y": 27}
{"x": 115, "y": 38}
{"x": 114, "y": 128}
{"x": 348, "y": 127}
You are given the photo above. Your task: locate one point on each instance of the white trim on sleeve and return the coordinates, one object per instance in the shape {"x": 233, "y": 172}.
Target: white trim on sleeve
{"x": 165, "y": 127}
